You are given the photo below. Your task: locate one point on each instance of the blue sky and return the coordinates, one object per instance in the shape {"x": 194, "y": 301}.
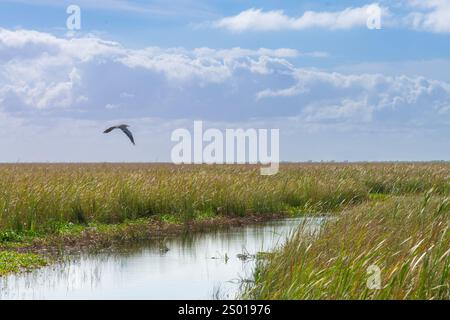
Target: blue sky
{"x": 336, "y": 89}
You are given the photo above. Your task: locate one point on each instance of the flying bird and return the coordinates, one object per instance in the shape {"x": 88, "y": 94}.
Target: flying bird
{"x": 124, "y": 128}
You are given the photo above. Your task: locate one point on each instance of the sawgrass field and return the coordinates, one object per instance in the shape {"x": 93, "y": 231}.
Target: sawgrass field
{"x": 394, "y": 216}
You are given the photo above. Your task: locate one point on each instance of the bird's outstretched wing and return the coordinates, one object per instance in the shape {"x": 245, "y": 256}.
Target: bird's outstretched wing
{"x": 128, "y": 133}
{"x": 109, "y": 129}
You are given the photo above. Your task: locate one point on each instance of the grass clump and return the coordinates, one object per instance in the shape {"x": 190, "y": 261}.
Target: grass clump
{"x": 407, "y": 238}
{"x": 12, "y": 262}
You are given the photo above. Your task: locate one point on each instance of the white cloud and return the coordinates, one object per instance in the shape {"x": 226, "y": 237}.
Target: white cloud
{"x": 429, "y": 15}
{"x": 420, "y": 15}
{"x": 363, "y": 97}
{"x": 112, "y": 106}
{"x": 346, "y": 109}
{"x": 43, "y": 71}
{"x": 434, "y": 69}
{"x": 42, "y": 76}
{"x": 259, "y": 20}
{"x": 57, "y": 96}
{"x": 126, "y": 95}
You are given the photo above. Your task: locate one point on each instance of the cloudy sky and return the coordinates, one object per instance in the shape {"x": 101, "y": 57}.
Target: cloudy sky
{"x": 336, "y": 89}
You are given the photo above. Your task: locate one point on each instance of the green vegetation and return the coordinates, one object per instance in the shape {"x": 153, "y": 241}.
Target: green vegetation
{"x": 393, "y": 215}
{"x": 408, "y": 238}
{"x": 39, "y": 199}
{"x": 11, "y": 261}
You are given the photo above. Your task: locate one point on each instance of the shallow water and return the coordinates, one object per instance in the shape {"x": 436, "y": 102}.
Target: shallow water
{"x": 200, "y": 266}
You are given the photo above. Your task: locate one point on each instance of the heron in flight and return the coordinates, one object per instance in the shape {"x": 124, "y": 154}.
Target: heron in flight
{"x": 124, "y": 128}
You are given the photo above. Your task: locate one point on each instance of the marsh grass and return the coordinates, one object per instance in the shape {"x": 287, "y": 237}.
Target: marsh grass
{"x": 408, "y": 238}
{"x": 43, "y": 198}
{"x": 395, "y": 216}
{"x": 11, "y": 261}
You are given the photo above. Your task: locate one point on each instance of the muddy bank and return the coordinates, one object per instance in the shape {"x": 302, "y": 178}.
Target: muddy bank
{"x": 105, "y": 236}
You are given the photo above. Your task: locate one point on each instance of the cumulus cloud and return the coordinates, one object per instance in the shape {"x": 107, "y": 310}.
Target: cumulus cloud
{"x": 58, "y": 94}
{"x": 259, "y": 20}
{"x": 39, "y": 70}
{"x": 87, "y": 78}
{"x": 420, "y": 15}
{"x": 365, "y": 97}
{"x": 429, "y": 15}
{"x": 112, "y": 106}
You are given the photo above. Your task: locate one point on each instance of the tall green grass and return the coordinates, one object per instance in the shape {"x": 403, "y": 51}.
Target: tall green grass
{"x": 41, "y": 197}
{"x": 407, "y": 238}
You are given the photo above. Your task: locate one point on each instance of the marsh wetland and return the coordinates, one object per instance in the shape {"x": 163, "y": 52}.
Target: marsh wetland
{"x": 196, "y": 231}
{"x": 207, "y": 265}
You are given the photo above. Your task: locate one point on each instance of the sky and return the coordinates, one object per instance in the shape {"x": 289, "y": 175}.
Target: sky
{"x": 336, "y": 84}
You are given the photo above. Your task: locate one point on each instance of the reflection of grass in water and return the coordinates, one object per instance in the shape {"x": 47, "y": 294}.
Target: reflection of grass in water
{"x": 219, "y": 293}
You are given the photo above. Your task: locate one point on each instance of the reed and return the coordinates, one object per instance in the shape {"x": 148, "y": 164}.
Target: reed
{"x": 40, "y": 198}
{"x": 406, "y": 237}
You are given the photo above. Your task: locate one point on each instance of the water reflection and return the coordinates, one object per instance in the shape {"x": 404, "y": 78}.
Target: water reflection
{"x": 197, "y": 266}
